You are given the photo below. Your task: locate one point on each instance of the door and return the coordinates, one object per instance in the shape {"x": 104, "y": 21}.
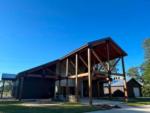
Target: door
{"x": 136, "y": 92}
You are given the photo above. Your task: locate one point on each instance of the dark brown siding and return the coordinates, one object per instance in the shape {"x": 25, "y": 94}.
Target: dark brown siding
{"x": 36, "y": 88}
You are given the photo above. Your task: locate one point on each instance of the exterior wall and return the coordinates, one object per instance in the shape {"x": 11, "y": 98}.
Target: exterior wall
{"x": 36, "y": 88}
{"x": 97, "y": 88}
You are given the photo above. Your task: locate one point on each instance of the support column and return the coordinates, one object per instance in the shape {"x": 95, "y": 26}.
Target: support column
{"x": 59, "y": 88}
{"x": 124, "y": 80}
{"x": 89, "y": 76}
{"x": 98, "y": 89}
{"x": 2, "y": 89}
{"x": 109, "y": 71}
{"x": 67, "y": 88}
{"x": 59, "y": 80}
{"x": 76, "y": 79}
{"x": 21, "y": 88}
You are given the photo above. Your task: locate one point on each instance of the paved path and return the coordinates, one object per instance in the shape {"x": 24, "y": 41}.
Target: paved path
{"x": 127, "y": 110}
{"x": 124, "y": 108}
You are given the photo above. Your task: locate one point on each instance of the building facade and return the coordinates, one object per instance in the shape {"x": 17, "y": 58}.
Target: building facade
{"x": 81, "y": 73}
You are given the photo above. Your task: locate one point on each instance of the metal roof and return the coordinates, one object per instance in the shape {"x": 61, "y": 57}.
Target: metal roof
{"x": 6, "y": 76}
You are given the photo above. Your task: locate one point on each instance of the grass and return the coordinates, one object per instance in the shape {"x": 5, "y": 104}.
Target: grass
{"x": 139, "y": 102}
{"x": 14, "y": 107}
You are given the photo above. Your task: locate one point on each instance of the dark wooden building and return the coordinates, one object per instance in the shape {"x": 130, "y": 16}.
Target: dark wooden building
{"x": 36, "y": 83}
{"x": 88, "y": 66}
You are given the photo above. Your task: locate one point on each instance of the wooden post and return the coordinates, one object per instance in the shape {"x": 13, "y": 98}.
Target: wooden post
{"x": 21, "y": 88}
{"x": 76, "y": 80}
{"x": 59, "y": 88}
{"x": 59, "y": 79}
{"x": 109, "y": 71}
{"x": 98, "y": 88}
{"x": 89, "y": 76}
{"x": 2, "y": 89}
{"x": 124, "y": 79}
{"x": 67, "y": 88}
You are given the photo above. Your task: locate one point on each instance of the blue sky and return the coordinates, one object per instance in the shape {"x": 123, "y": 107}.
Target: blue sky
{"x": 33, "y": 32}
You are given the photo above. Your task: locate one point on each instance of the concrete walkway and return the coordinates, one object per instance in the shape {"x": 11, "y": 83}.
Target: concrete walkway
{"x": 100, "y": 101}
{"x": 124, "y": 108}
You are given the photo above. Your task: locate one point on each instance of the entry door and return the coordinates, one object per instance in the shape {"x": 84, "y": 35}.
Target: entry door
{"x": 136, "y": 92}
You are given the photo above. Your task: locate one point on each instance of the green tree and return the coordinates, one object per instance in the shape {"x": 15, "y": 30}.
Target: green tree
{"x": 146, "y": 69}
{"x": 147, "y": 60}
{"x": 146, "y": 46}
{"x": 134, "y": 72}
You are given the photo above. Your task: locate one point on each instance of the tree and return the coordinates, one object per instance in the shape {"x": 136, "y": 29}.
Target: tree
{"x": 134, "y": 72}
{"x": 147, "y": 60}
{"x": 146, "y": 69}
{"x": 146, "y": 46}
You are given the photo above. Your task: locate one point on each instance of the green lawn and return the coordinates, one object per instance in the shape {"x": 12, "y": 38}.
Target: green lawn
{"x": 139, "y": 102}
{"x": 14, "y": 107}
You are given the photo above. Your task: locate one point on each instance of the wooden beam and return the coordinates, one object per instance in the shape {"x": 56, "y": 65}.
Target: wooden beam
{"x": 76, "y": 79}
{"x": 106, "y": 73}
{"x": 84, "y": 62}
{"x": 125, "y": 82}
{"x": 79, "y": 76}
{"x": 50, "y": 71}
{"x": 72, "y": 63}
{"x": 115, "y": 64}
{"x": 109, "y": 71}
{"x": 96, "y": 56}
{"x": 89, "y": 76}
{"x": 40, "y": 76}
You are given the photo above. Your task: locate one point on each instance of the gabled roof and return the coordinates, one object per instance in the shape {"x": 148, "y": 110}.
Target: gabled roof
{"x": 96, "y": 43}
